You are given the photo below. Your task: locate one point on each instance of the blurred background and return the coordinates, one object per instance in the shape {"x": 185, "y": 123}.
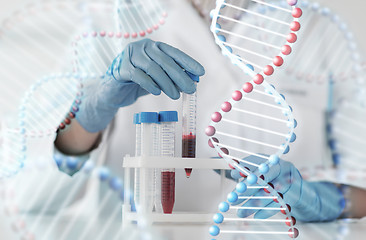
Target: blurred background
{"x": 351, "y": 12}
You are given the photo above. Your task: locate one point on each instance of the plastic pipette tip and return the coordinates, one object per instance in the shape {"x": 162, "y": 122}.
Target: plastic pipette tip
{"x": 188, "y": 172}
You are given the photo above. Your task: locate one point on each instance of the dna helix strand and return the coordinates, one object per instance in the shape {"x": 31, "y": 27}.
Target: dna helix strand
{"x": 340, "y": 66}
{"x": 35, "y": 99}
{"x": 34, "y": 55}
{"x": 42, "y": 108}
{"x": 335, "y": 57}
{"x": 346, "y": 108}
{"x": 38, "y": 54}
{"x": 19, "y": 202}
{"x": 100, "y": 43}
{"x": 333, "y": 68}
{"x": 96, "y": 49}
{"x": 346, "y": 133}
{"x": 40, "y": 113}
{"x": 256, "y": 121}
{"x": 139, "y": 18}
{"x": 334, "y": 61}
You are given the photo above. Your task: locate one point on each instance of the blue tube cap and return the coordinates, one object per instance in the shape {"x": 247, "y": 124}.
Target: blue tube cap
{"x": 136, "y": 118}
{"x": 168, "y": 116}
{"x": 149, "y": 117}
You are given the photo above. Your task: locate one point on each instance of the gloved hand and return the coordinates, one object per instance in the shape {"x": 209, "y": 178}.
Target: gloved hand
{"x": 309, "y": 201}
{"x": 143, "y": 67}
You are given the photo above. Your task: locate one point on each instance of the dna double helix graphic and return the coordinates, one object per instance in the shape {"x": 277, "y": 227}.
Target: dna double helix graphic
{"x": 96, "y": 46}
{"x": 47, "y": 76}
{"x": 256, "y": 121}
{"x": 139, "y": 18}
{"x": 334, "y": 58}
{"x": 46, "y": 73}
{"x": 338, "y": 64}
{"x": 346, "y": 133}
{"x": 35, "y": 99}
{"x": 346, "y": 104}
{"x": 21, "y": 202}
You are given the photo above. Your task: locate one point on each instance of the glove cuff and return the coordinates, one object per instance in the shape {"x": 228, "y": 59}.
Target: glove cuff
{"x": 92, "y": 116}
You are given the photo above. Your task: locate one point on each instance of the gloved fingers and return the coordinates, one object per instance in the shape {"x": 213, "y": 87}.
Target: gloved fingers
{"x": 288, "y": 183}
{"x": 252, "y": 205}
{"x": 250, "y": 167}
{"x": 268, "y": 203}
{"x": 288, "y": 197}
{"x": 279, "y": 176}
{"x": 264, "y": 214}
{"x": 293, "y": 192}
{"x": 236, "y": 174}
{"x": 275, "y": 177}
{"x": 158, "y": 75}
{"x": 185, "y": 61}
{"x": 290, "y": 187}
{"x": 145, "y": 81}
{"x": 273, "y": 173}
{"x": 248, "y": 193}
{"x": 172, "y": 69}
{"x": 129, "y": 69}
{"x": 254, "y": 160}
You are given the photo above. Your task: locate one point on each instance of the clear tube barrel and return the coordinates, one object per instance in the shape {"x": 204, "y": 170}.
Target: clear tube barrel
{"x": 149, "y": 147}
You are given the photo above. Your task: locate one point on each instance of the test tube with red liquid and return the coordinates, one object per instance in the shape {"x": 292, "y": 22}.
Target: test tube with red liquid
{"x": 189, "y": 124}
{"x": 167, "y": 121}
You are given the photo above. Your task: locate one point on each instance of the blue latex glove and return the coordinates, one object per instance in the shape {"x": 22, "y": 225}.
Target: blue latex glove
{"x": 309, "y": 201}
{"x": 143, "y": 67}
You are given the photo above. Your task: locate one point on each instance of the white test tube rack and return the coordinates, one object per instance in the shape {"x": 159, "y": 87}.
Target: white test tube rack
{"x": 131, "y": 163}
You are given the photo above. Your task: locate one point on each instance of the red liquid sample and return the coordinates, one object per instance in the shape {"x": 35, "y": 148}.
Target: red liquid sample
{"x": 189, "y": 149}
{"x": 167, "y": 191}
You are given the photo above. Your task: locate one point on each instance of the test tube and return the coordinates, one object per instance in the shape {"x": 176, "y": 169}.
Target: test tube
{"x": 167, "y": 121}
{"x": 149, "y": 147}
{"x": 136, "y": 121}
{"x": 189, "y": 124}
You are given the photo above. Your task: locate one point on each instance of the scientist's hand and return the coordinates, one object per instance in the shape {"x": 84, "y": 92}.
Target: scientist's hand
{"x": 309, "y": 201}
{"x": 143, "y": 67}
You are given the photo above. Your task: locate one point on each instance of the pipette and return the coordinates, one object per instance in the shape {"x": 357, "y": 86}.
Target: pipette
{"x": 189, "y": 124}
